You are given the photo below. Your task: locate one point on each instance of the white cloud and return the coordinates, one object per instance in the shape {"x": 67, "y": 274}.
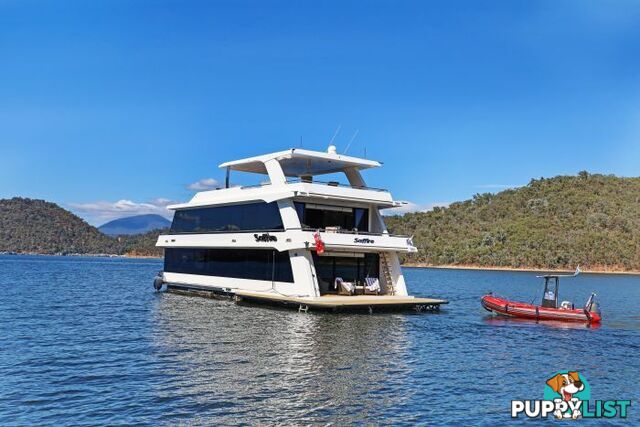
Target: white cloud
{"x": 203, "y": 185}
{"x": 100, "y": 212}
{"x": 413, "y": 207}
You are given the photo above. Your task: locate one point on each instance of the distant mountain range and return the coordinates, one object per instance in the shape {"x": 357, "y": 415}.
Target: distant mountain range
{"x": 37, "y": 226}
{"x": 131, "y": 225}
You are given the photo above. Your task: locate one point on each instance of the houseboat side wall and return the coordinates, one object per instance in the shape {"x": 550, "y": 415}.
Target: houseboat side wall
{"x": 305, "y": 280}
{"x": 301, "y": 262}
{"x": 227, "y": 284}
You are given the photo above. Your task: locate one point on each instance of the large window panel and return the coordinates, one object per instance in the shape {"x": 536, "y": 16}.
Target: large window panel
{"x": 347, "y": 268}
{"x": 262, "y": 216}
{"x": 324, "y": 271}
{"x": 253, "y": 264}
{"x": 361, "y": 219}
{"x": 350, "y": 269}
{"x": 322, "y": 216}
{"x": 246, "y": 217}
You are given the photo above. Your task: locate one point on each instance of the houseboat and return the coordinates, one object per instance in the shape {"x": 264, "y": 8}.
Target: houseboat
{"x": 293, "y": 239}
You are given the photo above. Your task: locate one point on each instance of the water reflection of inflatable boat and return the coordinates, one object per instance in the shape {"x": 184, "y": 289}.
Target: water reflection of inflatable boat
{"x": 549, "y": 309}
{"x": 507, "y": 321}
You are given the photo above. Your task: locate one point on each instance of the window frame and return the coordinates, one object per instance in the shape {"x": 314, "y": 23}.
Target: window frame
{"x": 244, "y": 213}
{"x": 355, "y": 212}
{"x": 275, "y": 265}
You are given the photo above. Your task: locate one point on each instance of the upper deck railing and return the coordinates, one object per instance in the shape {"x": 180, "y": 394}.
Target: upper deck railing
{"x": 308, "y": 229}
{"x": 352, "y": 232}
{"x": 327, "y": 183}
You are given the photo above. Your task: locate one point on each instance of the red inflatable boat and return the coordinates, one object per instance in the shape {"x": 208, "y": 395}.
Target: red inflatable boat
{"x": 530, "y": 311}
{"x": 549, "y": 309}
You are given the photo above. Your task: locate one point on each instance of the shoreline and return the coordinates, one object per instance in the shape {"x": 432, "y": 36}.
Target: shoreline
{"x": 132, "y": 256}
{"x": 521, "y": 269}
{"x": 598, "y": 270}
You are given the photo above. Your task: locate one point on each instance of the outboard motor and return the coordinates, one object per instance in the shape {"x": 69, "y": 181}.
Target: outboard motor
{"x": 595, "y": 308}
{"x": 158, "y": 281}
{"x": 591, "y": 305}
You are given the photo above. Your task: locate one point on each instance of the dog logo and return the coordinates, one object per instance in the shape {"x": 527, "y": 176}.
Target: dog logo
{"x": 565, "y": 386}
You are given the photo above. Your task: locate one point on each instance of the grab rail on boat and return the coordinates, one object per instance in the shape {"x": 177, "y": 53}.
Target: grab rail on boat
{"x": 327, "y": 183}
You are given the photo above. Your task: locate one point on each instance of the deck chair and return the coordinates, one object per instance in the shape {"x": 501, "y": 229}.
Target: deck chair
{"x": 344, "y": 288}
{"x": 372, "y": 286}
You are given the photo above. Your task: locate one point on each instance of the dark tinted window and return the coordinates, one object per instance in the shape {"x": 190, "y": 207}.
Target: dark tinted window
{"x": 254, "y": 264}
{"x": 247, "y": 217}
{"x": 350, "y": 269}
{"x": 361, "y": 219}
{"x": 321, "y": 217}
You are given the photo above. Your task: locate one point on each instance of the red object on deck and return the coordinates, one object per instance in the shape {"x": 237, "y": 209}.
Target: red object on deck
{"x": 530, "y": 311}
{"x": 319, "y": 243}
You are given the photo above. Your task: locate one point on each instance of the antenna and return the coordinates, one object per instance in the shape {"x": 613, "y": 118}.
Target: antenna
{"x": 335, "y": 134}
{"x": 352, "y": 138}
{"x": 300, "y": 141}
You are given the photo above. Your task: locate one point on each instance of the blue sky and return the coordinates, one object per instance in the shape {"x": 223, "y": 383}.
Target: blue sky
{"x": 114, "y": 108}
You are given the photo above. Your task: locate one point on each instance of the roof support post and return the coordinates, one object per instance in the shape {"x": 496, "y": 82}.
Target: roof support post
{"x": 227, "y": 177}
{"x": 377, "y": 224}
{"x": 274, "y": 169}
{"x": 354, "y": 177}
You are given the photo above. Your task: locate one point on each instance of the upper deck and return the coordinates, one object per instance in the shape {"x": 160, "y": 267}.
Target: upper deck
{"x": 291, "y": 189}
{"x": 291, "y": 175}
{"x": 297, "y": 162}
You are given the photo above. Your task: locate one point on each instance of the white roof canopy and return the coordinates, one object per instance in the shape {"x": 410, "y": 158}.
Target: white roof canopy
{"x": 298, "y": 162}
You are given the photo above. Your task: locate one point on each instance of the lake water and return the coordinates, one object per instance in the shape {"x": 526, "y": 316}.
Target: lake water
{"x": 88, "y": 341}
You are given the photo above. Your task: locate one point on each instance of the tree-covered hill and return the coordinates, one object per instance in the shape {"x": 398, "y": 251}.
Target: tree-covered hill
{"x": 591, "y": 220}
{"x": 141, "y": 244}
{"x": 28, "y": 225}
{"x": 37, "y": 226}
